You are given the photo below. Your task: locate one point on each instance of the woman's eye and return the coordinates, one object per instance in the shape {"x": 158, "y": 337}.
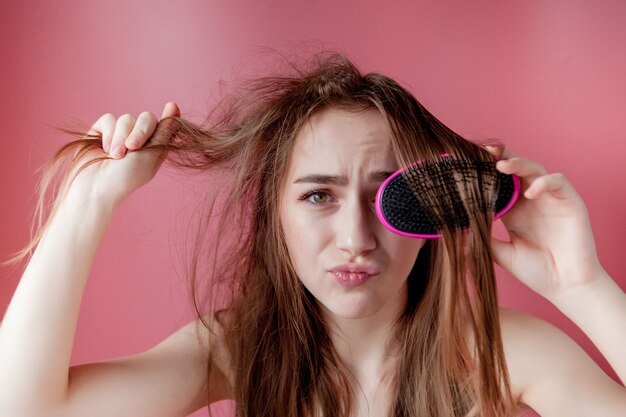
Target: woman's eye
{"x": 318, "y": 198}
{"x": 315, "y": 197}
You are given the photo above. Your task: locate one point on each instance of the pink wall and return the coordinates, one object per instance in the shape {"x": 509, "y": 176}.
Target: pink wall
{"x": 546, "y": 77}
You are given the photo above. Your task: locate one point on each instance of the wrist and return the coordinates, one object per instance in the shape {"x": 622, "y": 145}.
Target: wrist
{"x": 600, "y": 289}
{"x": 89, "y": 198}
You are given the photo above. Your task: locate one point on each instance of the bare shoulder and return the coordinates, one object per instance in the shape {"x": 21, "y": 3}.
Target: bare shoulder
{"x": 169, "y": 379}
{"x": 201, "y": 341}
{"x": 552, "y": 374}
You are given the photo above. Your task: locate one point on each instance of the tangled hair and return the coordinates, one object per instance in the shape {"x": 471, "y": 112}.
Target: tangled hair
{"x": 283, "y": 362}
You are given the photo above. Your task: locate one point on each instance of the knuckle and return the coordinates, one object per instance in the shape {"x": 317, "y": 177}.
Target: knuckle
{"x": 148, "y": 115}
{"x": 126, "y": 117}
{"x": 107, "y": 119}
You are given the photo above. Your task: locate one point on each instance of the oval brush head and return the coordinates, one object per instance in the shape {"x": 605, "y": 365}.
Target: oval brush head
{"x": 400, "y": 209}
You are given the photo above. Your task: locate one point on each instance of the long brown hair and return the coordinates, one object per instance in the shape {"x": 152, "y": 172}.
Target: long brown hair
{"x": 284, "y": 364}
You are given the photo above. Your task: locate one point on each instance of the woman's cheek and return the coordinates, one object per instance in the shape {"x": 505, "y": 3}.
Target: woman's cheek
{"x": 301, "y": 235}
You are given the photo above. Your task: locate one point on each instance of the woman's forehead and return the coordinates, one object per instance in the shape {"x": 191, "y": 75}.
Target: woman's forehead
{"x": 336, "y": 135}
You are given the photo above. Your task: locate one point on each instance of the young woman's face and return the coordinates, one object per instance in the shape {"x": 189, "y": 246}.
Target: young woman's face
{"x": 327, "y": 213}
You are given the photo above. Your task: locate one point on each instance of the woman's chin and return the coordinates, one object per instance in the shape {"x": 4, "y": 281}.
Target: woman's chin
{"x": 351, "y": 309}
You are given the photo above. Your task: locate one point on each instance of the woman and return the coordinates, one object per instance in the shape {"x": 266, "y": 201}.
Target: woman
{"x": 331, "y": 314}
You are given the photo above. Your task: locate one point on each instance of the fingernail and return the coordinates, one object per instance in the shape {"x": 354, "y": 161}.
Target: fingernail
{"x": 492, "y": 148}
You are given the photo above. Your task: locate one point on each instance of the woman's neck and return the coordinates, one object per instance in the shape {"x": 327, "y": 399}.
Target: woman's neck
{"x": 366, "y": 346}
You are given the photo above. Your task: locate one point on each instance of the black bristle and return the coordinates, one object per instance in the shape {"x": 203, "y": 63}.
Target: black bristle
{"x": 428, "y": 196}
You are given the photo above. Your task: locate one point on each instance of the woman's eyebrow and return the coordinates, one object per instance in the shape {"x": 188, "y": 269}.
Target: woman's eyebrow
{"x": 376, "y": 176}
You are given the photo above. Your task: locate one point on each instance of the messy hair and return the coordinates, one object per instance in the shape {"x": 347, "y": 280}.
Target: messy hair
{"x": 451, "y": 359}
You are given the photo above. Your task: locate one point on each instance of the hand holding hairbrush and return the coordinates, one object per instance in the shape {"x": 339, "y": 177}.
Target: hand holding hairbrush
{"x": 552, "y": 248}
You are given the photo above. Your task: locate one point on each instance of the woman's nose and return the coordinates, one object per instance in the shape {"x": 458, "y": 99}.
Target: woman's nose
{"x": 355, "y": 233}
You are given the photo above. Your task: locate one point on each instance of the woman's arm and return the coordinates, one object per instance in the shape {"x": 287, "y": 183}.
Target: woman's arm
{"x": 37, "y": 331}
{"x": 552, "y": 250}
{"x": 599, "y": 309}
{"x": 38, "y": 328}
{"x": 554, "y": 375}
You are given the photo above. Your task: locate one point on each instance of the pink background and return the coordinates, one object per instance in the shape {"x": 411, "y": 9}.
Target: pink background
{"x": 547, "y": 77}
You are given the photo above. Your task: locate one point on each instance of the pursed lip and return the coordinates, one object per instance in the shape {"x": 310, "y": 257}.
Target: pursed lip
{"x": 360, "y": 268}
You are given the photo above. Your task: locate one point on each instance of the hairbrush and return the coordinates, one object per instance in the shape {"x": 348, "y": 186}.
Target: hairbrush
{"x": 419, "y": 200}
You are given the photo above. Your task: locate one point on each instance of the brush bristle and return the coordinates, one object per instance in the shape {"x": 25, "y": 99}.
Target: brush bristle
{"x": 431, "y": 195}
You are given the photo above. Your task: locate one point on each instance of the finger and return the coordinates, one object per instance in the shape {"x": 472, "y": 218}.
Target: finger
{"x": 502, "y": 251}
{"x": 494, "y": 150}
{"x": 106, "y": 126}
{"x": 556, "y": 184}
{"x": 522, "y": 167}
{"x": 123, "y": 127}
{"x": 170, "y": 109}
{"x": 500, "y": 152}
{"x": 92, "y": 132}
{"x": 165, "y": 129}
{"x": 508, "y": 154}
{"x": 144, "y": 126}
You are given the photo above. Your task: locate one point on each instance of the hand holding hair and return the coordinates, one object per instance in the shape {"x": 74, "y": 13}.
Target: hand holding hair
{"x": 115, "y": 176}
